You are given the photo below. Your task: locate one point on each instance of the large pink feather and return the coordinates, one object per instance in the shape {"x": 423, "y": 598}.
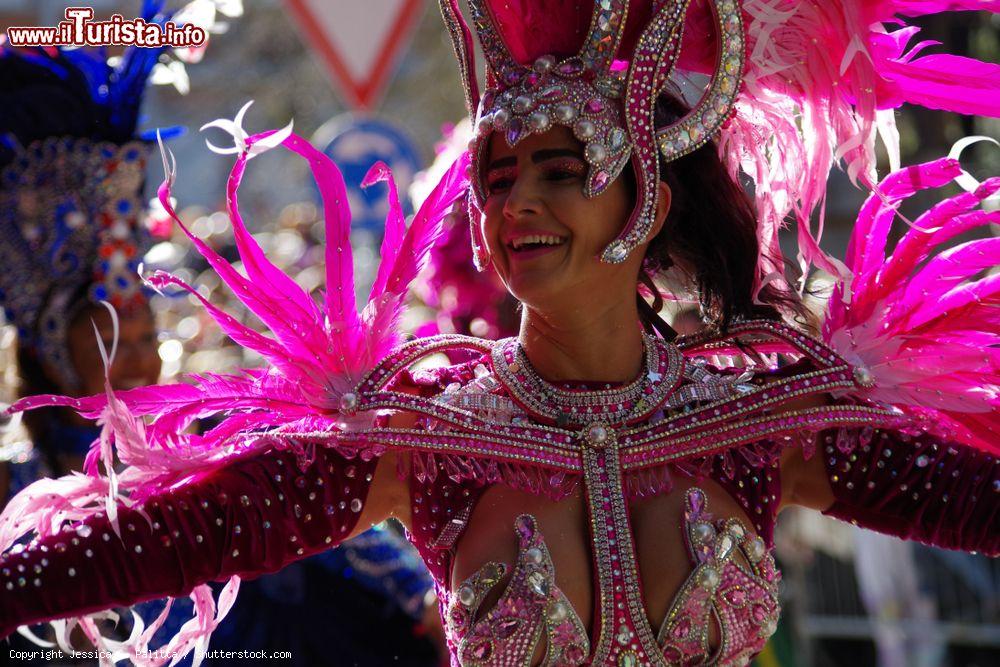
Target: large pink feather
{"x": 265, "y": 307}
{"x": 341, "y": 302}
{"x": 381, "y": 314}
{"x": 925, "y": 327}
{"x": 395, "y": 227}
{"x": 821, "y": 81}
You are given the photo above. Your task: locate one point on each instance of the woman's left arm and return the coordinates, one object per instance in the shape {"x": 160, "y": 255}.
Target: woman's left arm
{"x": 916, "y": 487}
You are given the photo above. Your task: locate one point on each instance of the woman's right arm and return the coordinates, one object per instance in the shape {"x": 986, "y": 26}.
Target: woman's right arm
{"x": 252, "y": 516}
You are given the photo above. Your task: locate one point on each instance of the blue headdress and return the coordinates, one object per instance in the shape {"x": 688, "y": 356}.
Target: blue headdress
{"x": 72, "y": 216}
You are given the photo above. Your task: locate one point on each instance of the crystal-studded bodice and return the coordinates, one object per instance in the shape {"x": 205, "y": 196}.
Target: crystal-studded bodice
{"x": 730, "y": 594}
{"x": 507, "y": 613}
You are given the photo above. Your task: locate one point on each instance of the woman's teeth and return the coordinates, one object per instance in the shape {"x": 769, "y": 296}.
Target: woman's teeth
{"x": 536, "y": 239}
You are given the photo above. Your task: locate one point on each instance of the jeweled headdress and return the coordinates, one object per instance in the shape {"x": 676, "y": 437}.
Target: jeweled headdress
{"x": 790, "y": 88}
{"x": 72, "y": 216}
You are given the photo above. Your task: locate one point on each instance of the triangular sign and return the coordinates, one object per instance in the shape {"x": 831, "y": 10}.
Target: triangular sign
{"x": 359, "y": 41}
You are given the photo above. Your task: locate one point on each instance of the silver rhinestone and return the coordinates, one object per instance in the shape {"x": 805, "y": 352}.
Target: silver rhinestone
{"x": 356, "y": 505}
{"x": 71, "y": 572}
{"x": 710, "y": 578}
{"x": 585, "y": 129}
{"x": 596, "y": 153}
{"x": 863, "y": 376}
{"x": 704, "y": 531}
{"x": 349, "y": 402}
{"x": 566, "y": 113}
{"x": 539, "y": 121}
{"x": 616, "y": 252}
{"x": 756, "y": 549}
{"x": 501, "y": 118}
{"x": 544, "y": 64}
{"x": 467, "y": 595}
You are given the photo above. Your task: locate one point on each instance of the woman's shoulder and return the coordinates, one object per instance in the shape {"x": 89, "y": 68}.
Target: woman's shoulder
{"x": 756, "y": 353}
{"x": 435, "y": 364}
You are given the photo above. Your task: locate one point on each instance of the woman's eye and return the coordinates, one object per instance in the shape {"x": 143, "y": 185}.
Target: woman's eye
{"x": 498, "y": 184}
{"x": 565, "y": 170}
{"x": 560, "y": 174}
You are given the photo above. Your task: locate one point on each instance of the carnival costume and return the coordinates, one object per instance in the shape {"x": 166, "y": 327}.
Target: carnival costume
{"x": 903, "y": 381}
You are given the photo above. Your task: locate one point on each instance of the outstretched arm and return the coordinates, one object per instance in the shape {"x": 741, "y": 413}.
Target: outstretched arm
{"x": 912, "y": 486}
{"x": 251, "y": 517}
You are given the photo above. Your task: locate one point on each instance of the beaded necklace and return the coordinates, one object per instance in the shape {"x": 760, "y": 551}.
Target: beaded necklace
{"x": 661, "y": 372}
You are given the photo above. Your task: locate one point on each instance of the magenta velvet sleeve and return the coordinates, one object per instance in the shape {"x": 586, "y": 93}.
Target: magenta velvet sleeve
{"x": 251, "y": 517}
{"x": 915, "y": 487}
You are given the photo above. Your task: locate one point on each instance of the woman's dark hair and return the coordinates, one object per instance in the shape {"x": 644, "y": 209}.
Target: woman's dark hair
{"x": 711, "y": 232}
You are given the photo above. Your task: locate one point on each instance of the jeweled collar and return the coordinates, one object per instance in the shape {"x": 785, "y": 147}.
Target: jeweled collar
{"x": 612, "y": 405}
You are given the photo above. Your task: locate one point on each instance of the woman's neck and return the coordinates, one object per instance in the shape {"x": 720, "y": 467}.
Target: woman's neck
{"x": 584, "y": 342}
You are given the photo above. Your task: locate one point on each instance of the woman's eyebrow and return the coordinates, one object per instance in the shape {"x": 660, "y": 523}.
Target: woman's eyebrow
{"x": 550, "y": 153}
{"x": 509, "y": 161}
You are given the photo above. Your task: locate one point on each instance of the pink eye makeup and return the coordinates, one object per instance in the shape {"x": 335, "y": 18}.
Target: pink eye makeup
{"x": 500, "y": 178}
{"x": 565, "y": 166}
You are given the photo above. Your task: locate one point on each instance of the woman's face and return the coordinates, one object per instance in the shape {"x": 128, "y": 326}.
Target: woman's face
{"x": 137, "y": 362}
{"x": 543, "y": 235}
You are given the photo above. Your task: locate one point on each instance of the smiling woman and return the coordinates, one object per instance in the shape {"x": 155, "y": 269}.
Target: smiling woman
{"x": 588, "y": 492}
{"x": 542, "y": 234}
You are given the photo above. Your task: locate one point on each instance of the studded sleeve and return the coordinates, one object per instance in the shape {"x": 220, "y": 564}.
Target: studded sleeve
{"x": 915, "y": 487}
{"x": 251, "y": 517}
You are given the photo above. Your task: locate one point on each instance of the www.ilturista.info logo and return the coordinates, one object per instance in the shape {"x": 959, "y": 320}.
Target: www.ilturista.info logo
{"x": 79, "y": 29}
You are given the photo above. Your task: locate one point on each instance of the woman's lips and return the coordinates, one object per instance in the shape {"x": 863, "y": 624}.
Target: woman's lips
{"x": 531, "y": 253}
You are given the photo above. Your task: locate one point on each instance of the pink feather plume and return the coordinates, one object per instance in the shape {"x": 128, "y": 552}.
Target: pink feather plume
{"x": 821, "y": 81}
{"x": 924, "y": 321}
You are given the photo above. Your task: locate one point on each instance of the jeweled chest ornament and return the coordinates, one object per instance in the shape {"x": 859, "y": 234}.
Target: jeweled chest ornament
{"x": 531, "y": 606}
{"x": 606, "y": 407}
